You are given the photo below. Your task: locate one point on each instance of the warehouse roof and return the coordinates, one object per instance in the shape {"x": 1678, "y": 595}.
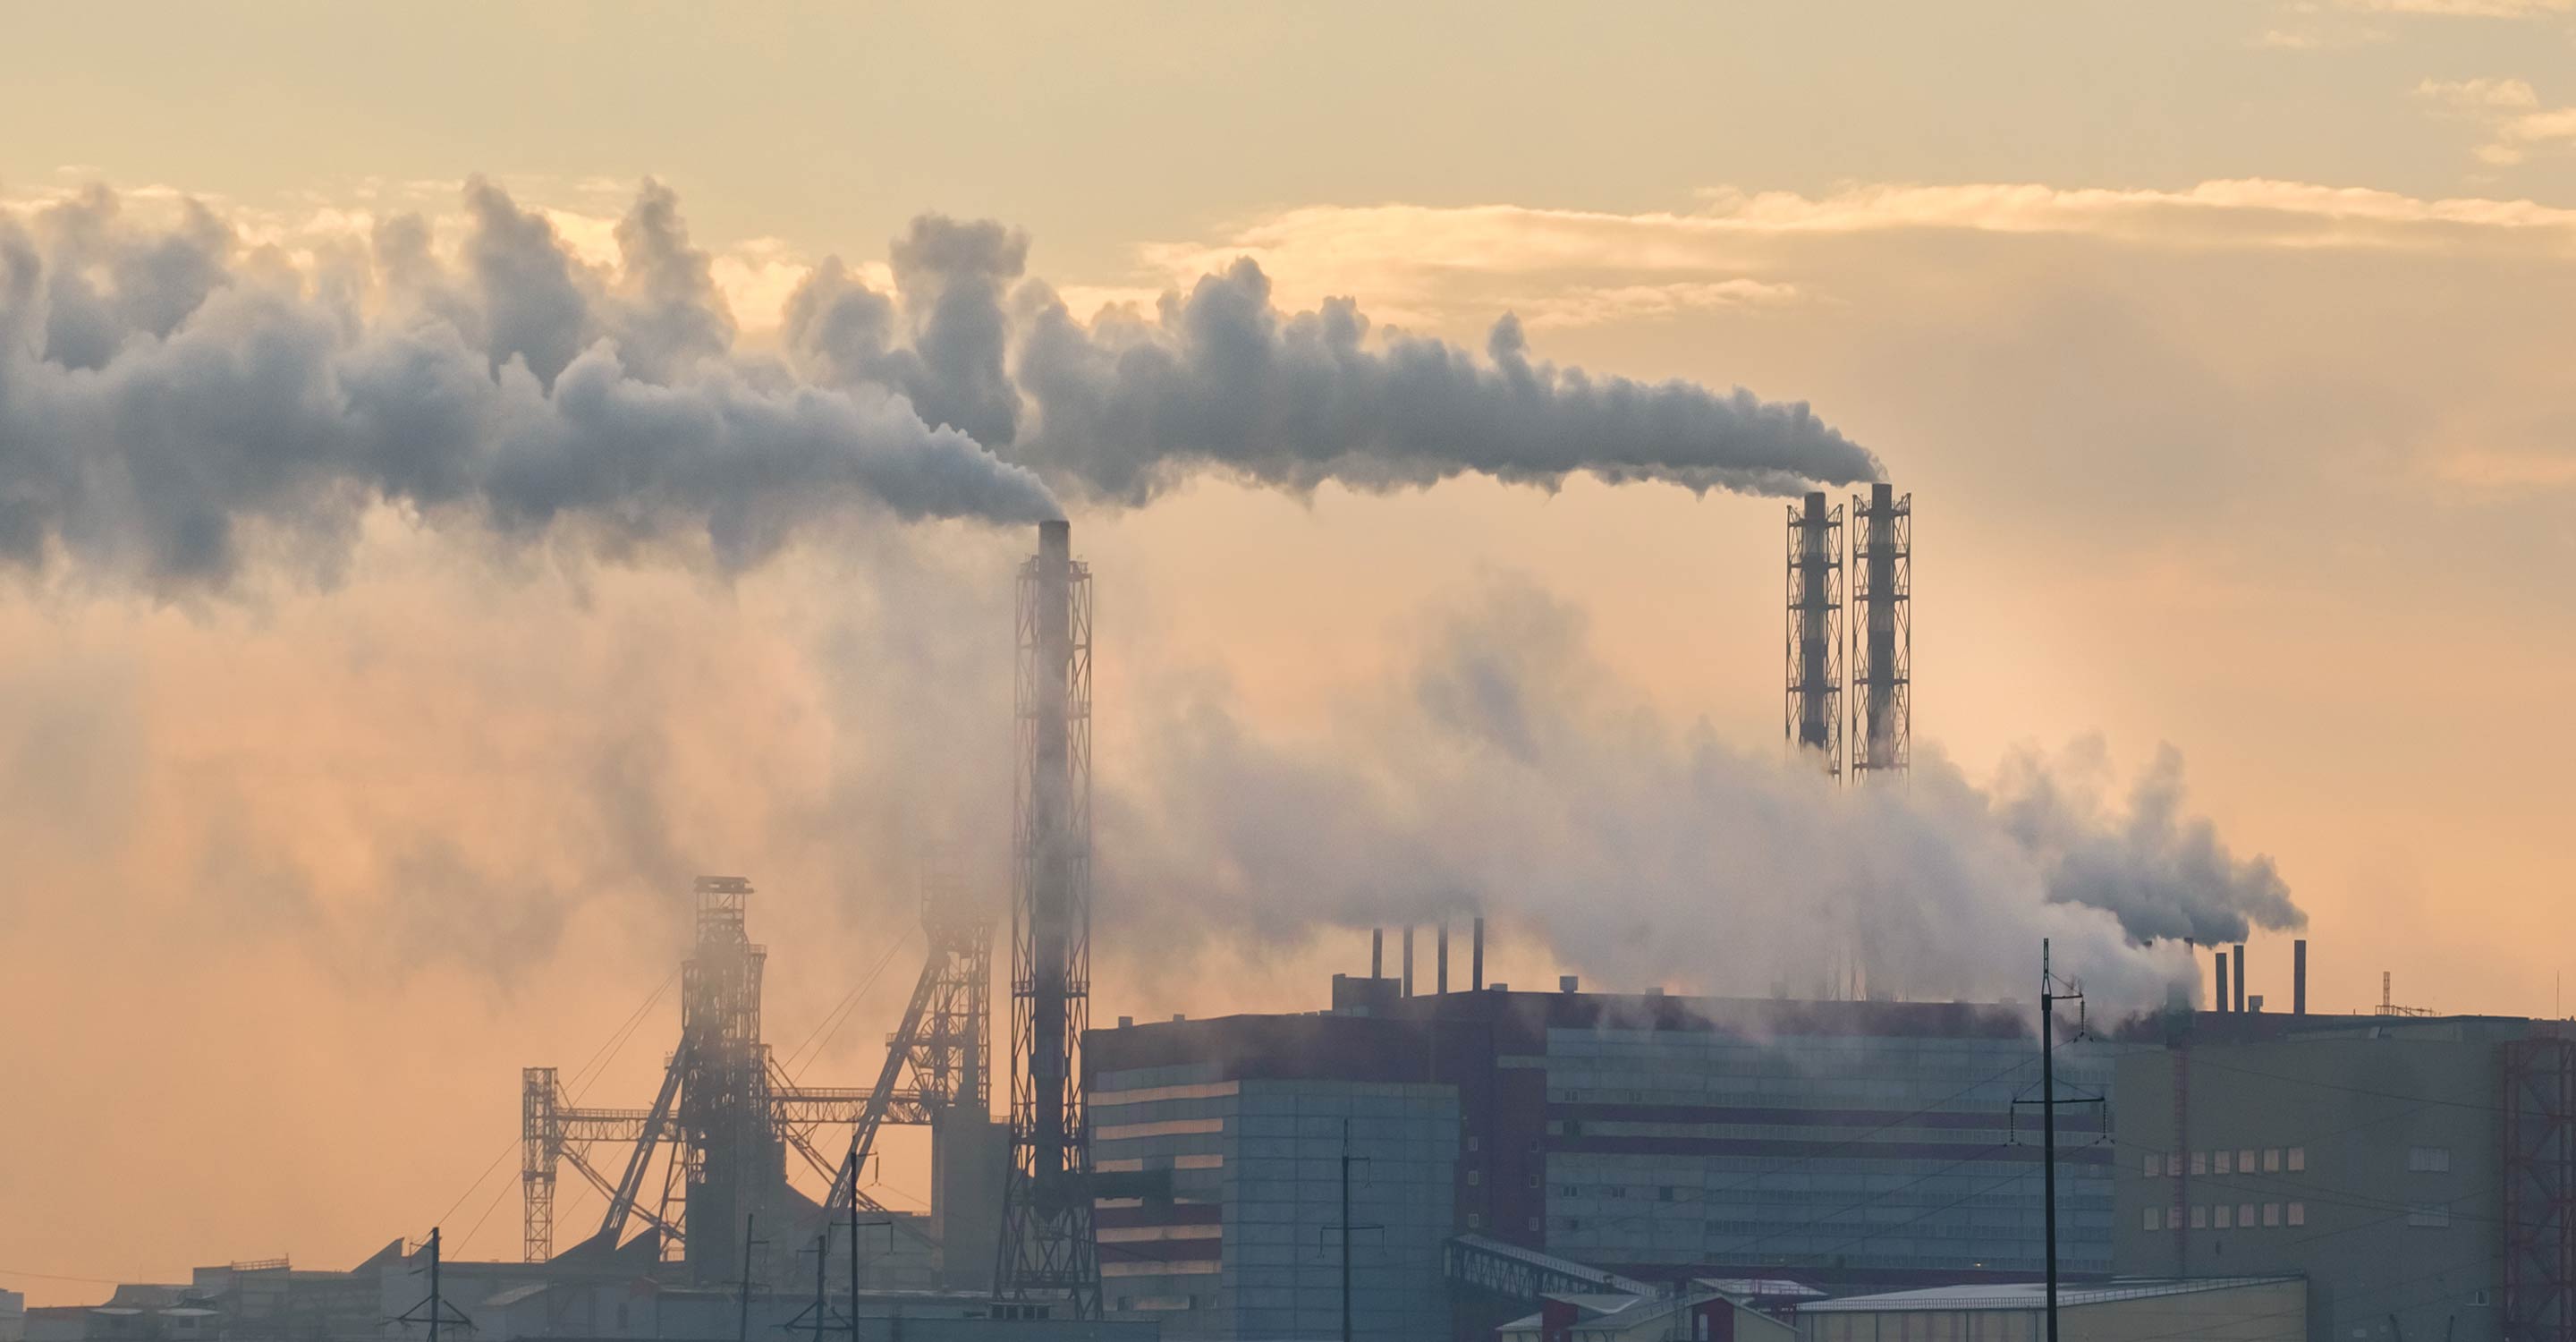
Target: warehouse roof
{"x": 2032, "y": 1294}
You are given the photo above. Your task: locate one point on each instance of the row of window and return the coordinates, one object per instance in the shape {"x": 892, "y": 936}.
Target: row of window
{"x": 2244, "y": 1160}
{"x": 2240, "y": 1216}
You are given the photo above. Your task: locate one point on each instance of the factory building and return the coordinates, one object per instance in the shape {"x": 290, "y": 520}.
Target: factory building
{"x": 2416, "y": 1170}
{"x": 2206, "y": 1309}
{"x": 1846, "y": 1144}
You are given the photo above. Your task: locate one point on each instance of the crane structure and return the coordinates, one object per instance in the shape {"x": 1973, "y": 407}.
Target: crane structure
{"x": 712, "y": 1149}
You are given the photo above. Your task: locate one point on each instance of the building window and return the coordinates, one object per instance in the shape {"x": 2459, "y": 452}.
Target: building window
{"x": 2199, "y": 1163}
{"x": 1533, "y": 1225}
{"x": 1574, "y": 1223}
{"x": 2245, "y": 1216}
{"x": 2223, "y": 1163}
{"x": 1565, "y": 1190}
{"x": 1471, "y": 1141}
{"x": 2226, "y": 1217}
{"x": 2173, "y": 1165}
{"x": 1618, "y": 1190}
{"x": 2434, "y": 1215}
{"x": 1533, "y": 1149}
{"x": 2155, "y": 1164}
{"x": 2200, "y": 1218}
{"x": 1475, "y": 1220}
{"x": 2298, "y": 1213}
{"x": 2271, "y": 1160}
{"x": 1533, "y": 1181}
{"x": 2155, "y": 1219}
{"x": 2245, "y": 1161}
{"x": 2271, "y": 1214}
{"x": 2298, "y": 1158}
{"x": 1475, "y": 1177}
{"x": 2428, "y": 1159}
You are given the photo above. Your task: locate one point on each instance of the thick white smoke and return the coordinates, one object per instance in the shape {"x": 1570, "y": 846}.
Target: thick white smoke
{"x": 1515, "y": 777}
{"x": 168, "y": 392}
{"x": 162, "y": 392}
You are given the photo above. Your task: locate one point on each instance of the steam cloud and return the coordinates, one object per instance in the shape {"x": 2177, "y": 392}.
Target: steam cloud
{"x": 1517, "y": 779}
{"x": 169, "y": 393}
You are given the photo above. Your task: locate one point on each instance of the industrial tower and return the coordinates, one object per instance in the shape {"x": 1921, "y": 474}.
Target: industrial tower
{"x": 1815, "y": 708}
{"x": 1049, "y": 1258}
{"x": 727, "y": 1113}
{"x": 1883, "y": 642}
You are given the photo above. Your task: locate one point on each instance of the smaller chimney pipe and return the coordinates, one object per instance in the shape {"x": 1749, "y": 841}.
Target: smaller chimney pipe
{"x": 1377, "y": 952}
{"x": 2222, "y": 981}
{"x": 2299, "y": 977}
{"x": 1476, "y": 957}
{"x": 2239, "y": 967}
{"x": 1408, "y": 959}
{"x": 1440, "y": 959}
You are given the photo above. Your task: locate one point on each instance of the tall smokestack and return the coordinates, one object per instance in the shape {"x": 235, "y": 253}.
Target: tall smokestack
{"x": 1049, "y": 1248}
{"x": 1883, "y": 643}
{"x": 1408, "y": 959}
{"x": 1476, "y": 957}
{"x": 2222, "y": 981}
{"x": 1440, "y": 958}
{"x": 2299, "y": 977}
{"x": 1815, "y": 631}
{"x": 1377, "y": 952}
{"x": 2240, "y": 976}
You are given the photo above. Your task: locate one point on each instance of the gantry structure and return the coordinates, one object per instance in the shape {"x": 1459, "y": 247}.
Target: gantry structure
{"x": 712, "y": 1149}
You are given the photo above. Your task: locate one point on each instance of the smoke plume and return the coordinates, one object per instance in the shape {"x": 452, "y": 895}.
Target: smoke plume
{"x": 171, "y": 396}
{"x": 1516, "y": 778}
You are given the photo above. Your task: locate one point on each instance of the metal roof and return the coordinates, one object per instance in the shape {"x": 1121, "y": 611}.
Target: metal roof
{"x": 2032, "y": 1294}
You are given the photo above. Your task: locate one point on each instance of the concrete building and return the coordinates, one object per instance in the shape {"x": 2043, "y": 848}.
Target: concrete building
{"x": 13, "y": 1316}
{"x": 1666, "y": 1139}
{"x": 2418, "y": 1171}
{"x": 2209, "y": 1309}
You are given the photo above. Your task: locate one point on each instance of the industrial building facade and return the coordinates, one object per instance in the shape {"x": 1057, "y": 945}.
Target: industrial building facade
{"x": 2416, "y": 1171}
{"x": 1854, "y": 1144}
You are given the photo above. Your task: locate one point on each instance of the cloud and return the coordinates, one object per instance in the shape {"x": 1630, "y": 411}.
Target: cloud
{"x": 1436, "y": 263}
{"x": 2472, "y": 9}
{"x": 2509, "y": 110}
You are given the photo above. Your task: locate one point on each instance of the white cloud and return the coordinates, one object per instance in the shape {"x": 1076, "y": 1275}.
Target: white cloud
{"x": 2509, "y": 109}
{"x": 2469, "y": 9}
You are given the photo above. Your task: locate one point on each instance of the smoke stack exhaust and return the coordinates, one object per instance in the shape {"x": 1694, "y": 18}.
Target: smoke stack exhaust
{"x": 2299, "y": 977}
{"x": 1815, "y": 632}
{"x": 2240, "y": 976}
{"x": 1883, "y": 640}
{"x": 1476, "y": 956}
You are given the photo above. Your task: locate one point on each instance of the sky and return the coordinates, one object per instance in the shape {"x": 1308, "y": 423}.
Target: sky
{"x": 2224, "y": 347}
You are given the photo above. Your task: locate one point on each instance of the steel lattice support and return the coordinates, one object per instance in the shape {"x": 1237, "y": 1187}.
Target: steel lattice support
{"x": 732, "y": 1150}
{"x": 1883, "y": 642}
{"x": 1815, "y": 703}
{"x": 2540, "y": 1190}
{"x": 540, "y": 1146}
{"x": 1049, "y": 1255}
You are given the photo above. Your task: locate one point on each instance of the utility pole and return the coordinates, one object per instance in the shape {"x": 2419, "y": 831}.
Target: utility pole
{"x": 742, "y": 1324}
{"x": 2048, "y": 998}
{"x": 855, "y": 1223}
{"x": 433, "y": 1310}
